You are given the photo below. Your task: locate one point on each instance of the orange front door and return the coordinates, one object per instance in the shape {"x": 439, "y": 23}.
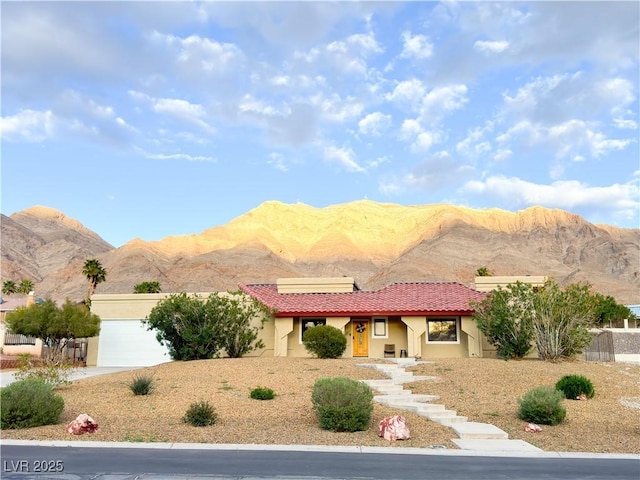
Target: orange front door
{"x": 360, "y": 329}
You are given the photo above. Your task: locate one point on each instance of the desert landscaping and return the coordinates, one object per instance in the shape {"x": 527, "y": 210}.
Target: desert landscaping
{"x": 484, "y": 390}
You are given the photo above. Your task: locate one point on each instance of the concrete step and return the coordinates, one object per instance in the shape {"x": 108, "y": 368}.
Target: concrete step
{"x": 392, "y": 390}
{"x": 479, "y": 431}
{"x": 496, "y": 445}
{"x": 415, "y": 407}
{"x": 408, "y": 399}
{"x": 448, "y": 422}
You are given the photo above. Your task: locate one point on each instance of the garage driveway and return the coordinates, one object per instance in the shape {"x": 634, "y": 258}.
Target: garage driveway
{"x": 83, "y": 372}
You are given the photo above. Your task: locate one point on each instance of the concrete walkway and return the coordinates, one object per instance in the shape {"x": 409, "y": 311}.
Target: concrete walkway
{"x": 7, "y": 377}
{"x": 471, "y": 435}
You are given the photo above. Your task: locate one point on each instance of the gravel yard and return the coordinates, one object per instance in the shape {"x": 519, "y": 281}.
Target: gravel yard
{"x": 482, "y": 389}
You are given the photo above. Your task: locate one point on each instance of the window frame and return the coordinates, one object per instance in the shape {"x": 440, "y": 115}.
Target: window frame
{"x": 443, "y": 319}
{"x": 316, "y": 320}
{"x": 385, "y": 322}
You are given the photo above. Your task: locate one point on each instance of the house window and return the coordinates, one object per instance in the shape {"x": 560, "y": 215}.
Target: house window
{"x": 380, "y": 327}
{"x": 443, "y": 330}
{"x": 307, "y": 323}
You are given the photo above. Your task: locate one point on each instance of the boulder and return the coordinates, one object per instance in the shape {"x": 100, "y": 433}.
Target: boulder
{"x": 82, "y": 424}
{"x": 394, "y": 428}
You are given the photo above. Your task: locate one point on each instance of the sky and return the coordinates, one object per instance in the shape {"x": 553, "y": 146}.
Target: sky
{"x": 149, "y": 119}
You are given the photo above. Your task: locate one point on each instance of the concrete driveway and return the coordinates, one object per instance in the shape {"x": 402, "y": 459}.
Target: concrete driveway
{"x": 82, "y": 372}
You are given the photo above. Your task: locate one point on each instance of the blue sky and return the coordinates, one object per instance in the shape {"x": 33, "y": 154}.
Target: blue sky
{"x": 149, "y": 119}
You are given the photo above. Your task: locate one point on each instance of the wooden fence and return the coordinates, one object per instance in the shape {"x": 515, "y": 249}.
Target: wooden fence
{"x": 17, "y": 339}
{"x": 601, "y": 348}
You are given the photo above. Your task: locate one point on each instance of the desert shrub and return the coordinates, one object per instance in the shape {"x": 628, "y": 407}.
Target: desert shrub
{"x": 142, "y": 385}
{"x": 29, "y": 403}
{"x": 342, "y": 404}
{"x": 325, "y": 341}
{"x": 52, "y": 372}
{"x": 575, "y": 385}
{"x": 542, "y": 405}
{"x": 200, "y": 414}
{"x": 260, "y": 393}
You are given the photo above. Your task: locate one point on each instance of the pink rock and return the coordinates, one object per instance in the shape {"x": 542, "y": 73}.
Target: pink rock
{"x": 532, "y": 428}
{"x": 82, "y": 424}
{"x": 582, "y": 396}
{"x": 394, "y": 428}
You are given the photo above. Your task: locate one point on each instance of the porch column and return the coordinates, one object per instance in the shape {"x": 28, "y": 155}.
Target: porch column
{"x": 474, "y": 338}
{"x": 416, "y": 326}
{"x": 283, "y": 327}
{"x": 338, "y": 322}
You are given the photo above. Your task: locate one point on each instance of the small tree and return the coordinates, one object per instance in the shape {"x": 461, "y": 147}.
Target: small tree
{"x": 562, "y": 319}
{"x": 54, "y": 325}
{"x": 95, "y": 273}
{"x": 9, "y": 287}
{"x": 609, "y": 311}
{"x": 194, "y": 328}
{"x": 25, "y": 287}
{"x": 147, "y": 287}
{"x": 505, "y": 317}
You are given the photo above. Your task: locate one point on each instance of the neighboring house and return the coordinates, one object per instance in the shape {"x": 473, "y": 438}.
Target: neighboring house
{"x": 11, "y": 343}
{"x": 417, "y": 319}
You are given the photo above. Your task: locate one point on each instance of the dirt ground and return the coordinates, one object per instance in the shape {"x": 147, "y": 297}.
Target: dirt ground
{"x": 485, "y": 390}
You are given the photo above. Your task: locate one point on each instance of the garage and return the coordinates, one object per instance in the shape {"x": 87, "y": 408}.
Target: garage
{"x": 127, "y": 343}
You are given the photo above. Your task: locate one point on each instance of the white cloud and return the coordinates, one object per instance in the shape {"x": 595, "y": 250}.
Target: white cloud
{"x": 203, "y": 54}
{"x": 183, "y": 110}
{"x": 619, "y": 199}
{"x": 407, "y": 91}
{"x": 625, "y": 124}
{"x": 277, "y": 161}
{"x": 374, "y": 124}
{"x": 337, "y": 109}
{"x": 344, "y": 157}
{"x": 416, "y": 46}
{"x": 28, "y": 125}
{"x": 491, "y": 46}
{"x": 179, "y": 156}
{"x": 441, "y": 101}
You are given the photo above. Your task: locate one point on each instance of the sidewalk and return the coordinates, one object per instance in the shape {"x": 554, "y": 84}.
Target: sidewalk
{"x": 6, "y": 377}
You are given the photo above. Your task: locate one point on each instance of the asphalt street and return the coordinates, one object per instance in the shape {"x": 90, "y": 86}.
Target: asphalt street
{"x": 178, "y": 463}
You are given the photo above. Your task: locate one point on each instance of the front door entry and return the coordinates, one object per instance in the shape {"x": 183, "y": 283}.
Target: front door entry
{"x": 360, "y": 338}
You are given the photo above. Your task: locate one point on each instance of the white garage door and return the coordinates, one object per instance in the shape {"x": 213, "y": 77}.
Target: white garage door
{"x": 127, "y": 343}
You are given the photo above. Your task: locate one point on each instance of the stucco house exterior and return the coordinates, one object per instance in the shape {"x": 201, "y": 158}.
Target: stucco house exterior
{"x": 418, "y": 319}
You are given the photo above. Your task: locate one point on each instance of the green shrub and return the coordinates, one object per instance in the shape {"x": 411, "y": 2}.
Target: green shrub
{"x": 142, "y": 385}
{"x": 29, "y": 403}
{"x": 200, "y": 414}
{"x": 575, "y": 385}
{"x": 342, "y": 404}
{"x": 261, "y": 393}
{"x": 325, "y": 341}
{"x": 50, "y": 371}
{"x": 542, "y": 405}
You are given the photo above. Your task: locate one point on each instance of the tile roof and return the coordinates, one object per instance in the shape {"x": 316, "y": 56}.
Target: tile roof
{"x": 395, "y": 299}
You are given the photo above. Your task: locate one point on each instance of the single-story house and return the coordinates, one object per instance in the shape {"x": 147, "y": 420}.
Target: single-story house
{"x": 403, "y": 319}
{"x": 12, "y": 343}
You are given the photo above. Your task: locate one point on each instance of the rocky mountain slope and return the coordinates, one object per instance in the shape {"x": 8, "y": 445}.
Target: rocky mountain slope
{"x": 374, "y": 242}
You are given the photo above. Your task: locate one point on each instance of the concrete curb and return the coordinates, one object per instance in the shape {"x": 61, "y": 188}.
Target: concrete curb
{"x": 316, "y": 448}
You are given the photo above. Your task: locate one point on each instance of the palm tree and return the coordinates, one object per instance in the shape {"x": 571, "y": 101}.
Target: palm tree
{"x": 9, "y": 287}
{"x": 25, "y": 286}
{"x": 148, "y": 287}
{"x": 483, "y": 272}
{"x": 95, "y": 273}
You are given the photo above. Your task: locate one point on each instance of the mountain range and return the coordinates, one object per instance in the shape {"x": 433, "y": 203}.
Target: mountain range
{"x": 376, "y": 243}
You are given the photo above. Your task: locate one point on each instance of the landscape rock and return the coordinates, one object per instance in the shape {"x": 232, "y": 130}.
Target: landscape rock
{"x": 394, "y": 428}
{"x": 82, "y": 424}
{"x": 532, "y": 428}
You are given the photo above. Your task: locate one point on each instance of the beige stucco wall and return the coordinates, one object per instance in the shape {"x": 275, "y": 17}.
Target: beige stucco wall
{"x": 136, "y": 307}
{"x": 486, "y": 284}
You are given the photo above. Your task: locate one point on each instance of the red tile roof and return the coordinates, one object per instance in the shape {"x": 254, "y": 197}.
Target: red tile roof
{"x": 396, "y": 299}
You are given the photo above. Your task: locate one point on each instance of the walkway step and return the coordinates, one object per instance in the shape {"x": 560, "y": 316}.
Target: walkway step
{"x": 479, "y": 431}
{"x": 448, "y": 422}
{"x": 496, "y": 445}
{"x": 418, "y": 399}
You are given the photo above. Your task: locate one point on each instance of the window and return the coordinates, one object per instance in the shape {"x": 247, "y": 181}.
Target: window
{"x": 306, "y": 323}
{"x": 380, "y": 327}
{"x": 443, "y": 330}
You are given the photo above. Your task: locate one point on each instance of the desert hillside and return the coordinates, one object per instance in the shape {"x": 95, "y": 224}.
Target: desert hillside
{"x": 377, "y": 243}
